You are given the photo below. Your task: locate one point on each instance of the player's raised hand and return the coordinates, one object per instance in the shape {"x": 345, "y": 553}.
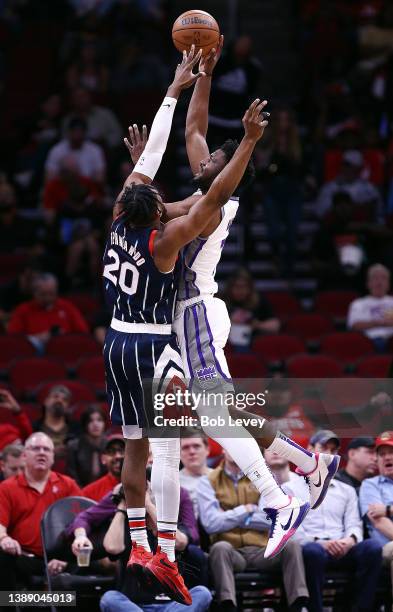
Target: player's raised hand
{"x": 136, "y": 142}
{"x": 255, "y": 120}
{"x": 208, "y": 63}
{"x": 184, "y": 76}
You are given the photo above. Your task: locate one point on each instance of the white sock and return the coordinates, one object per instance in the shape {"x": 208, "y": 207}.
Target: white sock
{"x": 137, "y": 524}
{"x": 247, "y": 454}
{"x": 165, "y": 486}
{"x": 166, "y": 538}
{"x": 287, "y": 448}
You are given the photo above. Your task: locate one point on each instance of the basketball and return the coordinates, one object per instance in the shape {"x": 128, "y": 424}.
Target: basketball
{"x": 198, "y": 28}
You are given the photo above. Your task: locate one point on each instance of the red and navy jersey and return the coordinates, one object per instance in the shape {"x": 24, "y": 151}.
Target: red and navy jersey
{"x": 135, "y": 290}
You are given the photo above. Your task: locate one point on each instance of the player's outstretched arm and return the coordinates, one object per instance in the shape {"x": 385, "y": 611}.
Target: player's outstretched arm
{"x": 149, "y": 162}
{"x": 181, "y": 231}
{"x": 198, "y": 111}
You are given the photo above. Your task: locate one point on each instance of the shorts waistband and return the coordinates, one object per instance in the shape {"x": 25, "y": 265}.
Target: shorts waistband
{"x": 141, "y": 328}
{"x": 183, "y": 304}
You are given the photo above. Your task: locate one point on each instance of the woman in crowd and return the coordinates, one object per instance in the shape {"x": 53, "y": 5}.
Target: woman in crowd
{"x": 84, "y": 453}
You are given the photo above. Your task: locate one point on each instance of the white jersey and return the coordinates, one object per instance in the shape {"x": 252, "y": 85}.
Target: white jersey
{"x": 201, "y": 256}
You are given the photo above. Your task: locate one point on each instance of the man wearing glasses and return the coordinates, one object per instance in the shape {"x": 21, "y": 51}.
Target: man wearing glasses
{"x": 23, "y": 500}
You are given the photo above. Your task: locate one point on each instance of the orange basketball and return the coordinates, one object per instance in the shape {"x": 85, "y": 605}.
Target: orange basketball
{"x": 195, "y": 28}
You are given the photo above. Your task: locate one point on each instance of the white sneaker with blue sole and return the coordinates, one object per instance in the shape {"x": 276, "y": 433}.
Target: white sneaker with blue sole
{"x": 285, "y": 522}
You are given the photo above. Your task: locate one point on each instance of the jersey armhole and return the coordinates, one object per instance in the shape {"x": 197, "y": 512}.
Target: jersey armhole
{"x": 151, "y": 246}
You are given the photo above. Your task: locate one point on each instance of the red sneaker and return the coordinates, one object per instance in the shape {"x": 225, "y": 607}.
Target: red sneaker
{"x": 166, "y": 577}
{"x": 139, "y": 557}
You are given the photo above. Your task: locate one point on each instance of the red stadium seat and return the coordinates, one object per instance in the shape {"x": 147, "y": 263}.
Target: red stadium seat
{"x": 80, "y": 391}
{"x": 334, "y": 303}
{"x": 14, "y": 347}
{"x": 27, "y": 374}
{"x": 348, "y": 347}
{"x": 10, "y": 266}
{"x": 283, "y": 303}
{"x": 375, "y": 366}
{"x": 92, "y": 371}
{"x": 71, "y": 347}
{"x": 246, "y": 366}
{"x": 309, "y": 326}
{"x": 86, "y": 304}
{"x": 313, "y": 366}
{"x": 277, "y": 347}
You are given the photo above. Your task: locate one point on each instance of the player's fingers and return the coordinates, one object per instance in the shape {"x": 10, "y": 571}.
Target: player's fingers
{"x": 144, "y": 134}
{"x": 210, "y": 55}
{"x": 184, "y": 58}
{"x": 131, "y": 134}
{"x": 220, "y": 44}
{"x": 252, "y": 107}
{"x": 191, "y": 54}
{"x": 198, "y": 76}
{"x": 137, "y": 137}
{"x": 196, "y": 59}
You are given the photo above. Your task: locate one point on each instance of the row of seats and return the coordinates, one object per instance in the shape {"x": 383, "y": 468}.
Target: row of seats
{"x": 345, "y": 347}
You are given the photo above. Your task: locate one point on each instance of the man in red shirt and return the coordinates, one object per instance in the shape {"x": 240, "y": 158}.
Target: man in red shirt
{"x": 21, "y": 428}
{"x": 23, "y": 500}
{"x": 46, "y": 314}
{"x": 112, "y": 457}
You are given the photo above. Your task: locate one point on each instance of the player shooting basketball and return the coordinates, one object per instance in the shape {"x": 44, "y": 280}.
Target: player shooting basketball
{"x": 202, "y": 327}
{"x": 140, "y": 267}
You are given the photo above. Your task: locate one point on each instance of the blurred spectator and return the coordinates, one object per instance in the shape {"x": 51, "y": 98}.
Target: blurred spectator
{"x": 112, "y": 458}
{"x": 235, "y": 82}
{"x": 279, "y": 467}
{"x": 100, "y": 123}
{"x": 239, "y": 534}
{"x": 55, "y": 422}
{"x": 46, "y": 314}
{"x": 283, "y": 188}
{"x": 47, "y": 124}
{"x": 18, "y": 234}
{"x": 332, "y": 539}
{"x": 193, "y": 455}
{"x": 137, "y": 67}
{"x": 361, "y": 464}
{"x": 100, "y": 325}
{"x": 340, "y": 246}
{"x": 373, "y": 314}
{"x": 88, "y": 156}
{"x": 250, "y": 313}
{"x": 288, "y": 415}
{"x": 76, "y": 202}
{"x": 376, "y": 498}
{"x": 18, "y": 290}
{"x": 90, "y": 525}
{"x": 23, "y": 500}
{"x": 131, "y": 596}
{"x": 87, "y": 70}
{"x": 325, "y": 441}
{"x": 365, "y": 196}
{"x": 58, "y": 191}
{"x": 84, "y": 453}
{"x": 21, "y": 429}
{"x": 12, "y": 461}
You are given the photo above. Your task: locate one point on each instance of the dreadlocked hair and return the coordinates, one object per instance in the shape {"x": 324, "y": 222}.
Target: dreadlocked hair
{"x": 139, "y": 204}
{"x": 228, "y": 148}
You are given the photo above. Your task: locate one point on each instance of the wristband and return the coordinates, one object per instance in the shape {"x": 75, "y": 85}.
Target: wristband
{"x": 388, "y": 510}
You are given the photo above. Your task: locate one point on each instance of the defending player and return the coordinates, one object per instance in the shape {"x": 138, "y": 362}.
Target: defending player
{"x": 202, "y": 326}
{"x": 140, "y": 265}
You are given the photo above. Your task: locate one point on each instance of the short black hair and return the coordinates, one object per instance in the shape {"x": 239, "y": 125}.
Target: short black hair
{"x": 140, "y": 204}
{"x": 78, "y": 123}
{"x": 228, "y": 148}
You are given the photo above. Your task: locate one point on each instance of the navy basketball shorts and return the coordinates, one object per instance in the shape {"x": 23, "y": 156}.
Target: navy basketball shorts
{"x": 133, "y": 363}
